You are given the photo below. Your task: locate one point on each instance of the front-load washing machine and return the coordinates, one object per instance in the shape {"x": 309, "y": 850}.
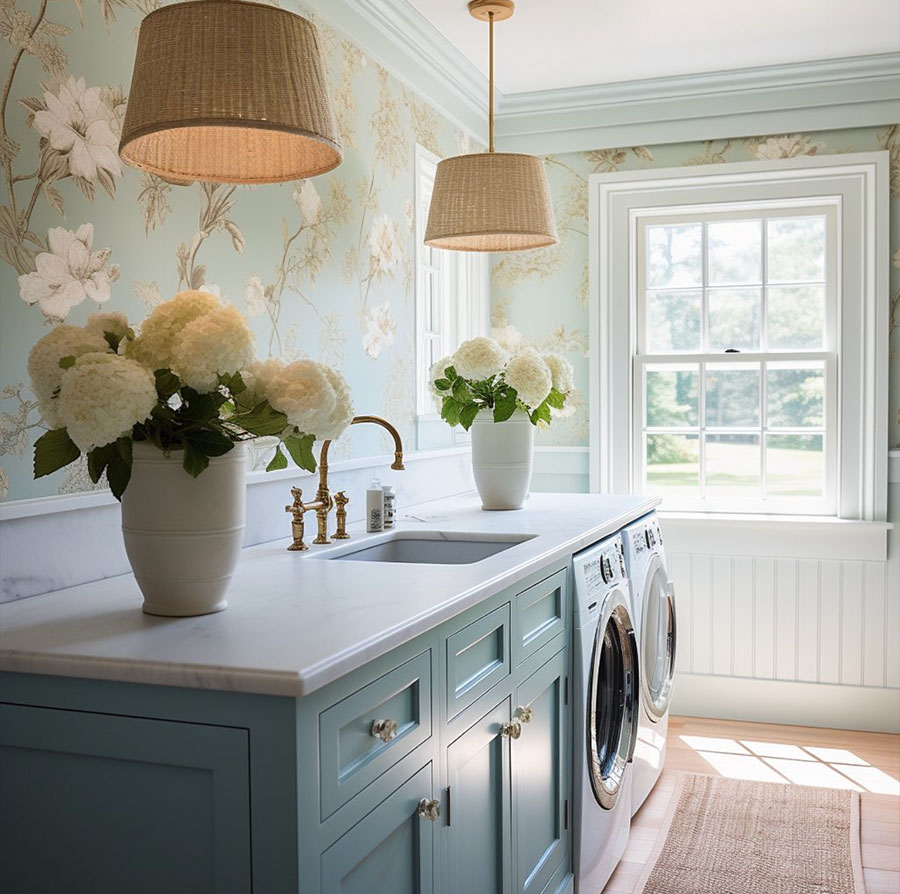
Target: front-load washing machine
{"x": 605, "y": 710}
{"x": 654, "y": 615}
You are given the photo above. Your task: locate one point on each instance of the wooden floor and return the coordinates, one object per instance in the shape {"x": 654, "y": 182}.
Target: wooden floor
{"x": 868, "y": 762}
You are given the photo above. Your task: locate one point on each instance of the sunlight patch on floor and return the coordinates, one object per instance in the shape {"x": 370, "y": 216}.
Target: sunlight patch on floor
{"x": 792, "y": 763}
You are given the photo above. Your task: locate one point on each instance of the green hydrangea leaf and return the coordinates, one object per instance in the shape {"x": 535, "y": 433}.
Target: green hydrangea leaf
{"x": 208, "y": 442}
{"x": 167, "y": 383}
{"x": 279, "y": 461}
{"x": 53, "y": 450}
{"x": 505, "y": 406}
{"x": 97, "y": 460}
{"x": 262, "y": 420}
{"x": 442, "y": 384}
{"x": 193, "y": 461}
{"x": 467, "y": 415}
{"x": 118, "y": 469}
{"x": 556, "y": 399}
{"x": 461, "y": 391}
{"x": 450, "y": 408}
{"x": 66, "y": 362}
{"x": 300, "y": 448}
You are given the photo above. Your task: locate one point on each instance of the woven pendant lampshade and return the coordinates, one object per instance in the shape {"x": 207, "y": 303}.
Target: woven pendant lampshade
{"x": 229, "y": 92}
{"x": 492, "y": 201}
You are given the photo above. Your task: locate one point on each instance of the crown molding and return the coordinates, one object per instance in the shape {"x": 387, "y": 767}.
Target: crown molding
{"x": 402, "y": 40}
{"x": 805, "y": 96}
{"x": 825, "y": 95}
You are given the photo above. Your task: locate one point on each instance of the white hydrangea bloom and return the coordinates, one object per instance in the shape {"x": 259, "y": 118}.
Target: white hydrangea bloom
{"x": 562, "y": 372}
{"x": 255, "y": 296}
{"x": 102, "y": 396}
{"x": 68, "y": 273}
{"x": 210, "y": 346}
{"x": 43, "y": 363}
{"x": 343, "y": 406}
{"x": 115, "y": 323}
{"x": 304, "y": 393}
{"x": 258, "y": 377}
{"x": 530, "y": 376}
{"x": 438, "y": 372}
{"x": 155, "y": 344}
{"x": 479, "y": 358}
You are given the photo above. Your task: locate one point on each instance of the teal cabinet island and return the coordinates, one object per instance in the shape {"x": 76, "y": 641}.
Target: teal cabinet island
{"x": 436, "y": 761}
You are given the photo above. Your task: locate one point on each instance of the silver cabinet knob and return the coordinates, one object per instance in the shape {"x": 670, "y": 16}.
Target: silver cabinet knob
{"x": 525, "y": 714}
{"x": 384, "y": 729}
{"x": 429, "y": 809}
{"x": 511, "y": 730}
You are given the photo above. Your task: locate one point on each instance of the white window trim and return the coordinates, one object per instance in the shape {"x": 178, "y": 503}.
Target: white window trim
{"x": 459, "y": 322}
{"x": 859, "y": 184}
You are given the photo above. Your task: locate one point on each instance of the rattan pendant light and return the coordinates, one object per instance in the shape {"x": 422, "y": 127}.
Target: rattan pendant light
{"x": 230, "y": 92}
{"x": 493, "y": 201}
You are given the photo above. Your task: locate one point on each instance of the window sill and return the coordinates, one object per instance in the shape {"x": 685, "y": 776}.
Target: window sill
{"x": 798, "y": 537}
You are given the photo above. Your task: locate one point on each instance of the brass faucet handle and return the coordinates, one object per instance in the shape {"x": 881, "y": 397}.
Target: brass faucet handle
{"x": 341, "y": 500}
{"x": 297, "y": 510}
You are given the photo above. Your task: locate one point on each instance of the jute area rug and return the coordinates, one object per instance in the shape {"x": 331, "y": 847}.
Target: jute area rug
{"x": 733, "y": 836}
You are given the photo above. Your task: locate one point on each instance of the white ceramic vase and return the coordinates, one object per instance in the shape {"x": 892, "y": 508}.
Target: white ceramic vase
{"x": 502, "y": 459}
{"x": 183, "y": 535}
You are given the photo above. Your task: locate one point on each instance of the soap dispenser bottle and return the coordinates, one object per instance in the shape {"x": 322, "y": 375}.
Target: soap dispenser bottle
{"x": 374, "y": 507}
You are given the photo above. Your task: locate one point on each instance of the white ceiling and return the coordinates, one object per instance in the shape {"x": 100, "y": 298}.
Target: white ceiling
{"x": 567, "y": 43}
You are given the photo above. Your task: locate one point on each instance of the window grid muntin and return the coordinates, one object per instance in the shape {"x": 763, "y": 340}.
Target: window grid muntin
{"x": 827, "y": 355}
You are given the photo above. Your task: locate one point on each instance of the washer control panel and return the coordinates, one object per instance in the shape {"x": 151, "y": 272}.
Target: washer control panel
{"x": 603, "y": 567}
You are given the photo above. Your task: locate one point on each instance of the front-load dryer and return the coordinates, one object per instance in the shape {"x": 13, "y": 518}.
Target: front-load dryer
{"x": 605, "y": 711}
{"x": 654, "y": 613}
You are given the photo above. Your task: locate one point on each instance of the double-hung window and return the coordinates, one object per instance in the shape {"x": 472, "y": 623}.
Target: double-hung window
{"x": 739, "y": 336}
{"x": 735, "y": 368}
{"x": 451, "y": 302}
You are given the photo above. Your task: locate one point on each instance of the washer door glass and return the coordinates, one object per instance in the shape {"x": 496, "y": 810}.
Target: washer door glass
{"x": 611, "y": 709}
{"x": 657, "y": 642}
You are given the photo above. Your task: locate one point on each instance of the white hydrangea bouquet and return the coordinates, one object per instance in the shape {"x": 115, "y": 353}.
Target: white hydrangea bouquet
{"x": 483, "y": 375}
{"x": 188, "y": 382}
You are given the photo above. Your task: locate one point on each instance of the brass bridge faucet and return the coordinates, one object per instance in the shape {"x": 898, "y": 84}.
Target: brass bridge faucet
{"x": 324, "y": 502}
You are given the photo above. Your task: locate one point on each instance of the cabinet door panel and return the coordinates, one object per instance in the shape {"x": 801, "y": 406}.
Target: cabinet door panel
{"x": 479, "y": 843}
{"x": 97, "y": 802}
{"x": 390, "y": 850}
{"x": 539, "y": 760}
{"x": 541, "y": 613}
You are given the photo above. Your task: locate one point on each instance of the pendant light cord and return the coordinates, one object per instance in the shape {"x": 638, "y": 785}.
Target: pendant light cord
{"x": 491, "y": 84}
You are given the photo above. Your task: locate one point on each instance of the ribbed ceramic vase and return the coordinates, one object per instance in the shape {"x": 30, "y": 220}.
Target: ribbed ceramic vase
{"x": 502, "y": 459}
{"x": 183, "y": 535}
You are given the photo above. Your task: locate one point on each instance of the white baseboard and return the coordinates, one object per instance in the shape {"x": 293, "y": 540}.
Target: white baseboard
{"x": 781, "y": 701}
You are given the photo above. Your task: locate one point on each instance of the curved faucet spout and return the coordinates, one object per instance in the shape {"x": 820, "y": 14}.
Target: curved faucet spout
{"x": 397, "y": 464}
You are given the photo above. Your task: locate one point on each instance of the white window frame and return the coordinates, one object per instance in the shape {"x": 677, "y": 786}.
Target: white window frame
{"x": 856, "y": 184}
{"x": 463, "y": 311}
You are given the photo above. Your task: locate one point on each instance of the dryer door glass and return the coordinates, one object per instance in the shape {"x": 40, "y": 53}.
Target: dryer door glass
{"x": 658, "y": 643}
{"x": 611, "y": 708}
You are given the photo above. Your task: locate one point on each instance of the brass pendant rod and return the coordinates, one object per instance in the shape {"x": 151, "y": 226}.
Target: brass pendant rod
{"x": 491, "y": 84}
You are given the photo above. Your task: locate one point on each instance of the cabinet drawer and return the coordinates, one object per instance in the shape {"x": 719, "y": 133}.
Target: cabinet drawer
{"x": 351, "y": 753}
{"x": 477, "y": 658}
{"x": 541, "y": 613}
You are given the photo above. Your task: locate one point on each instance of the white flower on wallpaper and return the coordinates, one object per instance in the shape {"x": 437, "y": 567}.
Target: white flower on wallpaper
{"x": 255, "y": 297}
{"x": 68, "y": 273}
{"x": 380, "y": 329}
{"x": 4, "y": 485}
{"x": 212, "y": 288}
{"x": 385, "y": 248}
{"x": 78, "y": 123}
{"x": 409, "y": 214}
{"x": 149, "y": 293}
{"x": 508, "y": 337}
{"x": 308, "y": 200}
{"x": 786, "y": 146}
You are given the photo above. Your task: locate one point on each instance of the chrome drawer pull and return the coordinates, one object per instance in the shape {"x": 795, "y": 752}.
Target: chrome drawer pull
{"x": 384, "y": 729}
{"x": 429, "y": 810}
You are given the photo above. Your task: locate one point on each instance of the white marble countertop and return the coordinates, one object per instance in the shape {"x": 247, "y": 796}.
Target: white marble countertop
{"x": 296, "y": 623}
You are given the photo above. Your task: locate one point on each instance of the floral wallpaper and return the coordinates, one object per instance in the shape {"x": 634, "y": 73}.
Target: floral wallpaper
{"x": 541, "y": 296}
{"x": 323, "y": 267}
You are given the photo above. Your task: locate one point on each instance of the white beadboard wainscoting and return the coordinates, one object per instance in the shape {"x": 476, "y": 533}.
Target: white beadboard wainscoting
{"x": 789, "y": 622}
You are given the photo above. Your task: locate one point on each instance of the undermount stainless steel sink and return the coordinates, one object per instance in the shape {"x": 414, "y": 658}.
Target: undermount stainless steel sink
{"x": 429, "y": 548}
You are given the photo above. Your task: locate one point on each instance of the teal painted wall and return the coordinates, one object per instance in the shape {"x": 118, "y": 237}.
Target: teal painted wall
{"x": 543, "y": 294}
{"x": 323, "y": 267}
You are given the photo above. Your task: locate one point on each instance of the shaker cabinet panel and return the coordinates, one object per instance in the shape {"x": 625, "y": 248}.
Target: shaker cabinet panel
{"x": 539, "y": 767}
{"x": 366, "y": 733}
{"x": 479, "y": 843}
{"x": 541, "y": 613}
{"x": 390, "y": 850}
{"x": 103, "y": 803}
